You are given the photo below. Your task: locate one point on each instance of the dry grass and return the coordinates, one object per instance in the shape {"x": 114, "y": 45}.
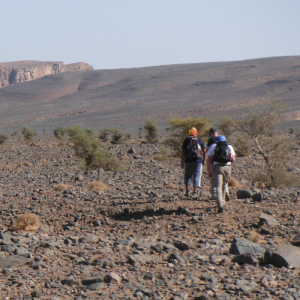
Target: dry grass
{"x": 97, "y": 186}
{"x": 261, "y": 185}
{"x": 61, "y": 187}
{"x": 27, "y": 222}
{"x": 6, "y": 167}
{"x": 234, "y": 183}
{"x": 255, "y": 237}
{"x": 125, "y": 157}
{"x": 159, "y": 157}
{"x": 173, "y": 185}
{"x": 26, "y": 163}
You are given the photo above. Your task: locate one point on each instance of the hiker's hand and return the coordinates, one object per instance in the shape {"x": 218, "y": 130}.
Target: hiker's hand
{"x": 210, "y": 174}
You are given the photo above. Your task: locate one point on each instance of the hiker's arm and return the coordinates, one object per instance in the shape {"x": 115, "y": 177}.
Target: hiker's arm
{"x": 203, "y": 157}
{"x": 209, "y": 166}
{"x": 182, "y": 159}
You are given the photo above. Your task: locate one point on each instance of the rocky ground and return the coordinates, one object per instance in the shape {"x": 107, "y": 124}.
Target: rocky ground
{"x": 140, "y": 238}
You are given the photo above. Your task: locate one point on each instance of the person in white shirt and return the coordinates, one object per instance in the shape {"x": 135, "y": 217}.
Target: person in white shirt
{"x": 219, "y": 159}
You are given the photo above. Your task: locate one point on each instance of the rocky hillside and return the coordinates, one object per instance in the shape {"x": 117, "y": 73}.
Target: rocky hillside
{"x": 126, "y": 98}
{"x": 133, "y": 235}
{"x": 23, "y": 71}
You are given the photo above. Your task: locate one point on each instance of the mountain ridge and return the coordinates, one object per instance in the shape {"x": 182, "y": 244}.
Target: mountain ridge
{"x": 125, "y": 98}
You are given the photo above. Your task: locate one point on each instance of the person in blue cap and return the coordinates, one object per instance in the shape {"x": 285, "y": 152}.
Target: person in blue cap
{"x": 219, "y": 159}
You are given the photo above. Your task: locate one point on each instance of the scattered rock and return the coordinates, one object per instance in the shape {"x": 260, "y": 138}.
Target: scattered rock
{"x": 243, "y": 246}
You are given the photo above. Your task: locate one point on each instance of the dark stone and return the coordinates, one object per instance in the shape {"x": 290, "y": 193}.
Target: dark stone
{"x": 285, "y": 256}
{"x": 92, "y": 280}
{"x": 259, "y": 197}
{"x": 268, "y": 219}
{"x": 243, "y": 194}
{"x": 245, "y": 259}
{"x": 243, "y": 246}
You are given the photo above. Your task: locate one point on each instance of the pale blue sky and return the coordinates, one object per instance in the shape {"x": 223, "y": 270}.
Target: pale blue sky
{"x": 110, "y": 34}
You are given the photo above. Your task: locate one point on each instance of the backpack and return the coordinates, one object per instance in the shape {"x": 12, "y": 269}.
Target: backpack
{"x": 193, "y": 149}
{"x": 222, "y": 153}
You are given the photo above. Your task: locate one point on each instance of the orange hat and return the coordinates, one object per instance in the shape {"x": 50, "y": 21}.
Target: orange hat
{"x": 193, "y": 131}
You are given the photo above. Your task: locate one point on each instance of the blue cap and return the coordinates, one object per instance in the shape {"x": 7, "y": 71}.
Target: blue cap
{"x": 221, "y": 138}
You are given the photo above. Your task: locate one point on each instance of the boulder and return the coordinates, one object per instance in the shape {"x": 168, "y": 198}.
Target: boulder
{"x": 13, "y": 261}
{"x": 243, "y": 194}
{"x": 285, "y": 256}
{"x": 259, "y": 197}
{"x": 245, "y": 259}
{"x": 268, "y": 219}
{"x": 243, "y": 246}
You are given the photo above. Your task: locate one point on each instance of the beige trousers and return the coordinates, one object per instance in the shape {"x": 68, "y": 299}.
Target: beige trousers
{"x": 222, "y": 175}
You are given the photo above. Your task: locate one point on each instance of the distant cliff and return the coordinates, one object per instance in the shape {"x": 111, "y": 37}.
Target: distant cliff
{"x": 21, "y": 71}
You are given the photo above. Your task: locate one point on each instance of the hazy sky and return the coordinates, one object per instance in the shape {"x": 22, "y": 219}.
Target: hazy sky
{"x": 110, "y": 34}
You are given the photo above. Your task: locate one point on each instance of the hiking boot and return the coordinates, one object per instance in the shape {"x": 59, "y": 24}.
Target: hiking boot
{"x": 213, "y": 198}
{"x": 195, "y": 195}
{"x": 227, "y": 197}
{"x": 187, "y": 194}
{"x": 220, "y": 210}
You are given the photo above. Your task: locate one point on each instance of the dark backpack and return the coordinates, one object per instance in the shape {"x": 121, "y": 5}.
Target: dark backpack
{"x": 222, "y": 153}
{"x": 193, "y": 149}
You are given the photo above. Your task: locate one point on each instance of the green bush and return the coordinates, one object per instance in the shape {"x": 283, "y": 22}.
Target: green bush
{"x": 60, "y": 132}
{"x": 87, "y": 146}
{"x": 119, "y": 137}
{"x": 180, "y": 129}
{"x": 226, "y": 126}
{"x": 3, "y": 138}
{"x": 260, "y": 127}
{"x": 28, "y": 133}
{"x": 152, "y": 132}
{"x": 105, "y": 134}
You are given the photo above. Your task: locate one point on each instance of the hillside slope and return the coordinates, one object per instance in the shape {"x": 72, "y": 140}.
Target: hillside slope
{"x": 125, "y": 98}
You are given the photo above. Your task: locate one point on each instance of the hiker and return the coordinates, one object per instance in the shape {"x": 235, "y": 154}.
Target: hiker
{"x": 213, "y": 135}
{"x": 192, "y": 160}
{"x": 220, "y": 157}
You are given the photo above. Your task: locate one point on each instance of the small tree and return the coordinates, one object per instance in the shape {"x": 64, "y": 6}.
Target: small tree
{"x": 3, "y": 138}
{"x": 89, "y": 147}
{"x": 104, "y": 134}
{"x": 226, "y": 125}
{"x": 152, "y": 132}
{"x": 60, "y": 132}
{"x": 28, "y": 133}
{"x": 259, "y": 126}
{"x": 180, "y": 129}
{"x": 119, "y": 137}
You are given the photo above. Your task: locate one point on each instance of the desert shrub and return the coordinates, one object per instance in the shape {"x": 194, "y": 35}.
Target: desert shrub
{"x": 255, "y": 237}
{"x": 180, "y": 129}
{"x": 119, "y": 137}
{"x": 97, "y": 186}
{"x": 152, "y": 131}
{"x": 159, "y": 157}
{"x": 88, "y": 147}
{"x": 3, "y": 138}
{"x": 260, "y": 128}
{"x": 105, "y": 134}
{"x": 60, "y": 132}
{"x": 61, "y": 187}
{"x": 26, "y": 163}
{"x": 28, "y": 133}
{"x": 27, "y": 222}
{"x": 242, "y": 145}
{"x": 234, "y": 183}
{"x": 163, "y": 150}
{"x": 226, "y": 126}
